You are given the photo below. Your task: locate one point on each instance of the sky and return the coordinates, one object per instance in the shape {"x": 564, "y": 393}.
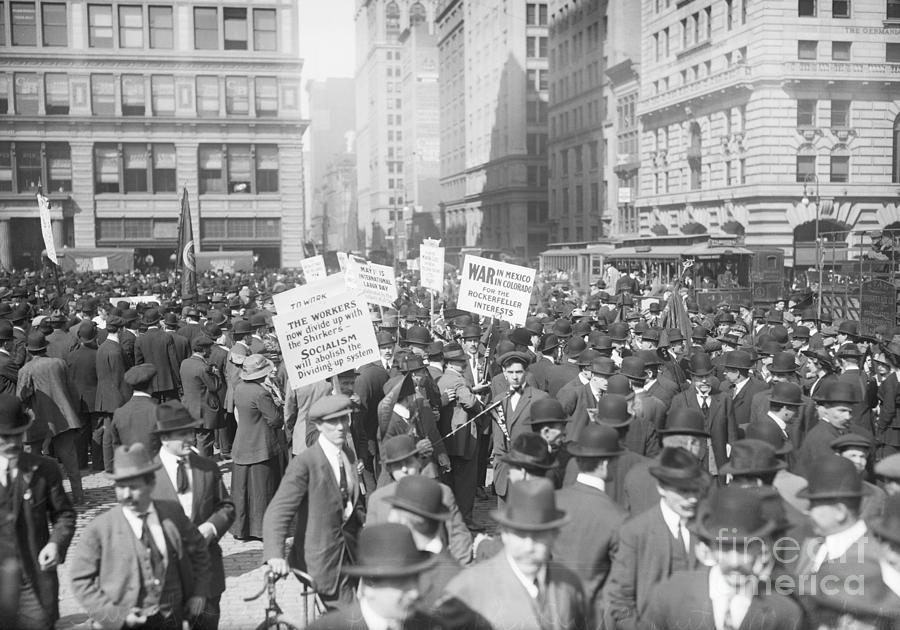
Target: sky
{"x": 327, "y": 38}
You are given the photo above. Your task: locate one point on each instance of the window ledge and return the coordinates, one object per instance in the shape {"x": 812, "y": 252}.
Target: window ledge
{"x": 892, "y": 23}
{"x": 706, "y": 43}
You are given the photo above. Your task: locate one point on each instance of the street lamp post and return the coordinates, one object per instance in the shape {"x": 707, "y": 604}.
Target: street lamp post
{"x": 805, "y": 202}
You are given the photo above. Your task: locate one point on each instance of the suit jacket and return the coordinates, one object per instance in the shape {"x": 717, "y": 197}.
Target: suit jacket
{"x": 211, "y": 504}
{"x": 641, "y": 561}
{"x": 888, "y": 422}
{"x": 127, "y": 339}
{"x": 640, "y": 488}
{"x": 559, "y": 375}
{"x": 134, "y": 422}
{"x": 642, "y": 437}
{"x": 297, "y": 403}
{"x": 81, "y": 364}
{"x": 507, "y": 605}
{"x": 797, "y": 429}
{"x": 260, "y": 421}
{"x": 454, "y": 531}
{"x": 585, "y": 544}
{"x": 112, "y": 390}
{"x": 568, "y": 394}
{"x": 182, "y": 346}
{"x": 323, "y": 540}
{"x": 9, "y": 374}
{"x": 516, "y": 425}
{"x": 43, "y": 514}
{"x": 201, "y": 392}
{"x": 190, "y": 331}
{"x": 106, "y": 574}
{"x": 463, "y": 443}
{"x": 579, "y": 417}
{"x": 683, "y": 602}
{"x": 719, "y": 421}
{"x": 43, "y": 386}
{"x": 861, "y": 418}
{"x": 651, "y": 409}
{"x": 59, "y": 344}
{"x": 663, "y": 389}
{"x": 540, "y": 371}
{"x": 815, "y": 446}
{"x": 741, "y": 404}
{"x": 369, "y": 386}
{"x": 156, "y": 346}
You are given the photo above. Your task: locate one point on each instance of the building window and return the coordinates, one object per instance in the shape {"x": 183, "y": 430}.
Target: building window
{"x": 695, "y": 155}
{"x": 806, "y": 165}
{"x": 135, "y": 163}
{"x": 840, "y": 8}
{"x": 208, "y": 96}
{"x": 106, "y": 168}
{"x": 807, "y": 49}
{"x": 235, "y": 28}
{"x": 266, "y": 96}
{"x": 239, "y": 170}
{"x": 840, "y": 51}
{"x": 806, "y": 8}
{"x": 59, "y": 167}
{"x": 161, "y": 28}
{"x": 893, "y": 9}
{"x": 24, "y": 23}
{"x": 840, "y": 114}
{"x": 100, "y": 26}
{"x": 266, "y": 168}
{"x": 892, "y": 52}
{"x": 134, "y": 101}
{"x": 131, "y": 26}
{"x": 210, "y": 169}
{"x": 806, "y": 113}
{"x": 28, "y": 166}
{"x": 53, "y": 21}
{"x": 6, "y": 178}
{"x": 392, "y": 20}
{"x": 839, "y": 169}
{"x": 164, "y": 168}
{"x": 2, "y": 35}
{"x": 27, "y": 97}
{"x": 237, "y": 99}
{"x": 206, "y": 28}
{"x": 162, "y": 94}
{"x": 265, "y": 34}
{"x": 103, "y": 95}
{"x": 895, "y": 170}
{"x": 56, "y": 93}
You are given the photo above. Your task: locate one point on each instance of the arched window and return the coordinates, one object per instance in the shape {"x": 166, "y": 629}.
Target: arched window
{"x": 417, "y": 14}
{"x": 839, "y": 170}
{"x": 694, "y": 155}
{"x": 806, "y": 163}
{"x": 392, "y": 20}
{"x": 895, "y": 170}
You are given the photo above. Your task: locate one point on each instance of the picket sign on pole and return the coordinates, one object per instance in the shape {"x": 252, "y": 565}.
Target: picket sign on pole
{"x": 496, "y": 289}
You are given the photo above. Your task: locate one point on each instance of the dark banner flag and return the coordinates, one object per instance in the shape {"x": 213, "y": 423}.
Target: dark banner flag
{"x": 186, "y": 250}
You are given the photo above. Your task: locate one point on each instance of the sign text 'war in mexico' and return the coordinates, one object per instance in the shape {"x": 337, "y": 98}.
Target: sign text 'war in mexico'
{"x": 496, "y": 289}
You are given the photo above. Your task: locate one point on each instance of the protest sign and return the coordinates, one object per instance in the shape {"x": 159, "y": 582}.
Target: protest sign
{"x": 313, "y": 268}
{"x": 496, "y": 289}
{"x": 134, "y": 300}
{"x": 303, "y": 296}
{"x": 431, "y": 267}
{"x": 331, "y": 334}
{"x": 342, "y": 260}
{"x": 100, "y": 263}
{"x": 376, "y": 282}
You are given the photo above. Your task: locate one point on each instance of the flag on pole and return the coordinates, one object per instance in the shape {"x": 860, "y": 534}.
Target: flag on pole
{"x": 186, "y": 250}
{"x": 47, "y": 226}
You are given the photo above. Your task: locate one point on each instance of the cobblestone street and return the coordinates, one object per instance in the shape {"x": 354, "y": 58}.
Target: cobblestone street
{"x": 243, "y": 570}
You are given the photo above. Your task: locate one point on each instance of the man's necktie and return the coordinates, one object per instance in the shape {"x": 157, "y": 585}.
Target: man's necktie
{"x": 705, "y": 406}
{"x": 682, "y": 537}
{"x": 156, "y": 558}
{"x": 728, "y": 621}
{"x": 181, "y": 477}
{"x": 345, "y": 489}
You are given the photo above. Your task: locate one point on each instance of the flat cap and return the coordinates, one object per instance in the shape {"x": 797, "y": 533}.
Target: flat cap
{"x": 140, "y": 374}
{"x": 330, "y": 407}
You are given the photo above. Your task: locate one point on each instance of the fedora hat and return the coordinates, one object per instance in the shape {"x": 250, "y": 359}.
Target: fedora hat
{"x": 612, "y": 410}
{"x": 633, "y": 368}
{"x": 36, "y": 341}
{"x": 530, "y": 506}
{"x": 14, "y": 419}
{"x": 454, "y": 352}
{"x": 549, "y": 342}
{"x": 420, "y": 495}
{"x": 849, "y": 350}
{"x": 384, "y": 339}
{"x": 819, "y": 354}
{"x": 418, "y": 336}
{"x": 435, "y": 350}
{"x": 651, "y": 334}
{"x": 534, "y": 326}
{"x": 132, "y": 461}
{"x": 173, "y": 416}
{"x": 242, "y": 327}
{"x": 547, "y": 411}
{"x": 833, "y": 478}
{"x": 752, "y": 457}
{"x": 770, "y": 433}
{"x": 700, "y": 364}
{"x": 887, "y": 524}
{"x": 596, "y": 440}
{"x": 872, "y": 599}
{"x": 848, "y": 327}
{"x": 603, "y": 366}
{"x": 786, "y": 394}
{"x": 256, "y": 366}
{"x": 685, "y": 421}
{"x": 674, "y": 335}
{"x": 837, "y": 392}
{"x": 398, "y": 449}
{"x": 679, "y": 468}
{"x": 410, "y": 363}
{"x": 738, "y": 360}
{"x": 387, "y": 550}
{"x": 730, "y": 514}
{"x": 529, "y": 451}
{"x": 801, "y": 332}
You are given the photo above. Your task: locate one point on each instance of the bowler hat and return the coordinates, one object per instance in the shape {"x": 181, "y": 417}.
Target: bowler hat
{"x": 701, "y": 364}
{"x": 738, "y": 360}
{"x": 774, "y": 316}
{"x": 14, "y": 420}
{"x": 398, "y": 448}
{"x": 801, "y": 332}
{"x": 435, "y": 350}
{"x": 849, "y": 328}
{"x": 819, "y": 354}
{"x": 674, "y": 335}
{"x": 619, "y": 331}
{"x": 171, "y": 320}
{"x": 256, "y": 366}
{"x": 833, "y": 478}
{"x": 620, "y": 385}
{"x": 770, "y": 433}
{"x": 562, "y": 328}
{"x": 549, "y": 342}
{"x": 151, "y": 317}
{"x": 601, "y": 342}
{"x": 534, "y": 326}
{"x": 612, "y": 410}
{"x": 649, "y": 357}
{"x": 887, "y": 524}
{"x": 19, "y": 314}
{"x": 217, "y": 317}
{"x": 258, "y": 320}
{"x": 581, "y": 328}
{"x": 603, "y": 366}
{"x": 586, "y": 358}
{"x": 387, "y": 550}
{"x": 454, "y": 352}
{"x": 6, "y": 330}
{"x": 684, "y": 421}
{"x": 837, "y": 392}
{"x": 420, "y": 495}
{"x": 699, "y": 333}
{"x": 679, "y": 468}
{"x": 418, "y": 336}
{"x": 650, "y": 334}
{"x": 633, "y": 367}
{"x": 575, "y": 347}
{"x": 114, "y": 322}
{"x": 140, "y": 375}
{"x": 732, "y": 514}
{"x": 547, "y": 411}
{"x": 596, "y": 440}
{"x": 36, "y": 341}
{"x": 87, "y": 330}
{"x": 242, "y": 327}
{"x": 130, "y": 461}
{"x": 849, "y": 350}
{"x": 472, "y": 331}
{"x": 870, "y": 598}
{"x": 529, "y": 451}
{"x": 173, "y": 416}
{"x": 330, "y": 407}
{"x": 655, "y": 307}
{"x": 530, "y": 506}
{"x": 784, "y": 393}
{"x": 751, "y": 457}
{"x": 768, "y": 347}
{"x": 520, "y": 337}
{"x": 851, "y": 440}
{"x": 410, "y": 363}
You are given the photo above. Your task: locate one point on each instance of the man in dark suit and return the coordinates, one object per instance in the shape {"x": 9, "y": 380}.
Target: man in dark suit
{"x": 35, "y": 513}
{"x": 369, "y": 387}
{"x": 142, "y": 563}
{"x": 59, "y": 343}
{"x": 320, "y": 489}
{"x": 513, "y": 412}
{"x": 191, "y": 327}
{"x": 134, "y": 421}
{"x": 201, "y": 382}
{"x": 527, "y": 589}
{"x": 157, "y": 347}
{"x": 81, "y": 364}
{"x": 112, "y": 390}
{"x": 715, "y": 407}
{"x": 888, "y": 423}
{"x": 655, "y": 544}
{"x": 559, "y": 375}
{"x": 738, "y": 372}
{"x": 586, "y": 542}
{"x": 655, "y": 383}
{"x": 586, "y": 397}
{"x": 181, "y": 344}
{"x": 849, "y": 357}
{"x": 9, "y": 369}
{"x": 195, "y": 483}
{"x": 783, "y": 369}
{"x": 128, "y": 334}
{"x": 731, "y": 593}
{"x": 835, "y": 409}
{"x": 785, "y": 401}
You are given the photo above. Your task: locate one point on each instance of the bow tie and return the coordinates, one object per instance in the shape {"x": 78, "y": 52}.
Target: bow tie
{"x": 515, "y": 390}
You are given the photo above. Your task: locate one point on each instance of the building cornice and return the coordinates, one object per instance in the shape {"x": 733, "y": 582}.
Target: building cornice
{"x": 170, "y": 65}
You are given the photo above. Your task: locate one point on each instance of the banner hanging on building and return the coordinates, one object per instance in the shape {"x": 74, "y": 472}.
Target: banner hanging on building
{"x": 186, "y": 250}
{"x": 431, "y": 267}
{"x": 496, "y": 289}
{"x": 313, "y": 268}
{"x": 47, "y": 226}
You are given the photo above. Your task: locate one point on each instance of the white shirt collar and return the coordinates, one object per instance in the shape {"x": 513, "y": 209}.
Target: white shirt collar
{"x": 373, "y": 620}
{"x": 112, "y": 336}
{"x": 153, "y": 523}
{"x": 526, "y": 583}
{"x": 590, "y": 480}
{"x": 332, "y": 452}
{"x": 434, "y": 546}
{"x": 891, "y": 576}
{"x": 740, "y": 385}
{"x": 781, "y": 423}
{"x": 838, "y": 544}
{"x": 723, "y": 595}
{"x": 140, "y": 394}
{"x": 673, "y": 521}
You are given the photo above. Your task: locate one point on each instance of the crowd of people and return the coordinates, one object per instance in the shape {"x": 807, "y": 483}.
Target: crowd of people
{"x": 654, "y": 464}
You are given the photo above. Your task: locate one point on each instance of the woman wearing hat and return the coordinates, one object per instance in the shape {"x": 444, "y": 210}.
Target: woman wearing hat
{"x": 258, "y": 450}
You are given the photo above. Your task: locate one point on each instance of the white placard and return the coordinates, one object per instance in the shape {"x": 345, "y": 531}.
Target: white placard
{"x": 342, "y": 260}
{"x": 134, "y": 300}
{"x": 303, "y": 296}
{"x": 313, "y": 268}
{"x": 332, "y": 334}
{"x": 496, "y": 289}
{"x": 100, "y": 263}
{"x": 376, "y": 282}
{"x": 431, "y": 267}
{"x": 47, "y": 228}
